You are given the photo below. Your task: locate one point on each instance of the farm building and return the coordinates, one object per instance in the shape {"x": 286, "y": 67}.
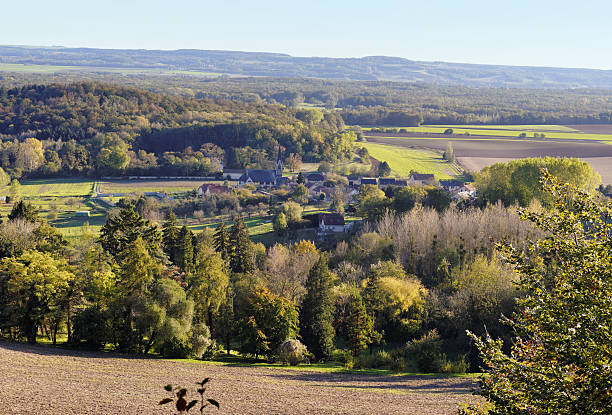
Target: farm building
{"x": 81, "y": 213}
{"x": 451, "y": 185}
{"x": 386, "y": 181}
{"x": 315, "y": 178}
{"x": 208, "y": 189}
{"x": 417, "y": 179}
{"x": 369, "y": 180}
{"x": 331, "y": 222}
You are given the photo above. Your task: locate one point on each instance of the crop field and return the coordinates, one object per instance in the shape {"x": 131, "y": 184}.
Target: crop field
{"x": 550, "y": 131}
{"x": 473, "y": 153}
{"x": 56, "y": 187}
{"x": 140, "y": 186}
{"x": 402, "y": 160}
{"x": 42, "y": 380}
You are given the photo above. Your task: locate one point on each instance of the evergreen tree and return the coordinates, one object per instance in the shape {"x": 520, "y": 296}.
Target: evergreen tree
{"x": 359, "y": 326}
{"x": 241, "y": 256}
{"x": 123, "y": 229}
{"x": 170, "y": 236}
{"x": 384, "y": 169}
{"x": 316, "y": 313}
{"x": 300, "y": 178}
{"x": 25, "y": 211}
{"x": 222, "y": 241}
{"x": 185, "y": 250}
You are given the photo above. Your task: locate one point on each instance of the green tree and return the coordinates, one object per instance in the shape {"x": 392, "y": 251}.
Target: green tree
{"x": 293, "y": 213}
{"x": 38, "y": 285}
{"x": 559, "y": 361}
{"x": 449, "y": 154}
{"x": 170, "y": 236}
{"x": 222, "y": 241}
{"x": 24, "y": 210}
{"x": 185, "y": 250}
{"x": 207, "y": 286}
{"x": 280, "y": 223}
{"x": 14, "y": 190}
{"x": 123, "y": 229}
{"x": 241, "y": 257}
{"x": 384, "y": 169}
{"x": 316, "y": 312}
{"x": 359, "y": 326}
{"x": 300, "y": 194}
{"x": 373, "y": 203}
{"x": 300, "y": 178}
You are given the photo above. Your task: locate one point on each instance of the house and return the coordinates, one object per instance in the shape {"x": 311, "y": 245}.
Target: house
{"x": 401, "y": 183}
{"x": 451, "y": 185}
{"x": 417, "y": 179}
{"x": 266, "y": 178}
{"x": 317, "y": 190}
{"x": 331, "y": 222}
{"x": 353, "y": 179}
{"x": 233, "y": 174}
{"x": 315, "y": 178}
{"x": 386, "y": 181}
{"x": 208, "y": 189}
{"x": 369, "y": 180}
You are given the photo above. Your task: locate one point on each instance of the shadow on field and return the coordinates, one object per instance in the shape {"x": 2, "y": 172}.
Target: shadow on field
{"x": 401, "y": 384}
{"x": 47, "y": 350}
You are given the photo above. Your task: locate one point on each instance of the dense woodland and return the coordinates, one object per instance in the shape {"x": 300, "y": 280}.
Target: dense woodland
{"x": 99, "y": 129}
{"x": 371, "y": 102}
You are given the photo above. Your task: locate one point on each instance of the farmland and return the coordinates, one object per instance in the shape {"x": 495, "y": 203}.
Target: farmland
{"x": 475, "y": 152}
{"x": 403, "y": 160}
{"x": 33, "y": 384}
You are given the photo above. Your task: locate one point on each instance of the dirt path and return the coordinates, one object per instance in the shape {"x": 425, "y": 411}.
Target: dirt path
{"x": 40, "y": 380}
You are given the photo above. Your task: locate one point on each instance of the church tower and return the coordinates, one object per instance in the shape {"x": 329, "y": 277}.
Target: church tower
{"x": 279, "y": 164}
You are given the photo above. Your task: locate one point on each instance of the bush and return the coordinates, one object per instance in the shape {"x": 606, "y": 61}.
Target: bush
{"x": 460, "y": 365}
{"x": 202, "y": 347}
{"x": 376, "y": 360}
{"x": 292, "y": 352}
{"x": 427, "y": 352}
{"x": 398, "y": 360}
{"x": 90, "y": 328}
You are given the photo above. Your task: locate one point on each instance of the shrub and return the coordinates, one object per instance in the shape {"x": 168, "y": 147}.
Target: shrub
{"x": 292, "y": 352}
{"x": 202, "y": 347}
{"x": 427, "y": 352}
{"x": 460, "y": 365}
{"x": 90, "y": 328}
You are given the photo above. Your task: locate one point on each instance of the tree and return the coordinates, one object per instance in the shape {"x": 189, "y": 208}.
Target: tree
{"x": 37, "y": 285}
{"x": 24, "y": 210}
{"x": 294, "y": 162}
{"x": 241, "y": 256}
{"x": 120, "y": 231}
{"x": 293, "y": 213}
{"x": 559, "y": 361}
{"x": 449, "y": 154}
{"x": 360, "y": 327}
{"x": 184, "y": 253}
{"x": 207, "y": 286}
{"x": 300, "y": 194}
{"x": 280, "y": 223}
{"x": 14, "y": 190}
{"x": 222, "y": 241}
{"x": 316, "y": 312}
{"x": 170, "y": 236}
{"x": 384, "y": 169}
{"x": 373, "y": 203}
{"x": 300, "y": 178}
{"x": 448, "y": 131}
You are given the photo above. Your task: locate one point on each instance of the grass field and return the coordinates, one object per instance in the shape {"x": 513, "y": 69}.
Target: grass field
{"x": 403, "y": 160}
{"x": 554, "y": 131}
{"x": 45, "y": 380}
{"x": 140, "y": 186}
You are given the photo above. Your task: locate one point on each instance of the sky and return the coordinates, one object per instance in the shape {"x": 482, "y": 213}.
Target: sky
{"x": 516, "y": 32}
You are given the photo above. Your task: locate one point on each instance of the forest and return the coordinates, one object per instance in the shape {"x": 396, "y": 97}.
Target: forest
{"x": 99, "y": 129}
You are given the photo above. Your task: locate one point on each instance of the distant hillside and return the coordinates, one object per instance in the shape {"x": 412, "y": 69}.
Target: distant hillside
{"x": 281, "y": 65}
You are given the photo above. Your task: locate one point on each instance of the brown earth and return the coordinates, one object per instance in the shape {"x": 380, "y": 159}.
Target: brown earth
{"x": 593, "y": 128}
{"x": 475, "y": 154}
{"x": 43, "y": 380}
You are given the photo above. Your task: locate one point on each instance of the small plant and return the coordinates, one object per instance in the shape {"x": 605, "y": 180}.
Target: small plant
{"x": 182, "y": 406}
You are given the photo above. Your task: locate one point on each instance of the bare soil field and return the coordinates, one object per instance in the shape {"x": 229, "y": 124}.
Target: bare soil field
{"x": 43, "y": 380}
{"x": 592, "y": 128}
{"x": 475, "y": 154}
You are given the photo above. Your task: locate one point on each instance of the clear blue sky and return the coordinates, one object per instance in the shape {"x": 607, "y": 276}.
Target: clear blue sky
{"x": 515, "y": 32}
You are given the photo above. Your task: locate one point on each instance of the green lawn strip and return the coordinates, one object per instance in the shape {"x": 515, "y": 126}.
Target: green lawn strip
{"x": 57, "y": 187}
{"x": 522, "y": 127}
{"x": 462, "y": 130}
{"x": 403, "y": 160}
{"x": 322, "y": 368}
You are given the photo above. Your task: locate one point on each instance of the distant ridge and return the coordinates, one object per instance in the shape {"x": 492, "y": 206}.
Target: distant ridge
{"x": 369, "y": 68}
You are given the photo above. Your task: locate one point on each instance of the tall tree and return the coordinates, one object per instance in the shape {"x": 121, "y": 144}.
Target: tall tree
{"x": 170, "y": 236}
{"x": 123, "y": 229}
{"x": 24, "y": 210}
{"x": 559, "y": 361}
{"x": 359, "y": 326}
{"x": 222, "y": 241}
{"x": 241, "y": 257}
{"x": 316, "y": 312}
{"x": 207, "y": 286}
{"x": 185, "y": 250}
